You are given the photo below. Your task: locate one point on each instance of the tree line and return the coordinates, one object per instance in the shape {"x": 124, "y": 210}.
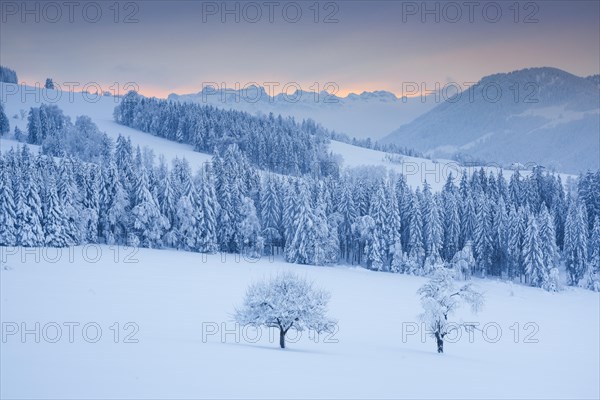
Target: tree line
{"x": 524, "y": 228}
{"x": 273, "y": 143}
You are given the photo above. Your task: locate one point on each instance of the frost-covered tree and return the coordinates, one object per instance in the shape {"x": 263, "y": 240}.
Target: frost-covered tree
{"x": 114, "y": 205}
{"x": 593, "y": 275}
{"x": 516, "y": 232}
{"x": 549, "y": 249}
{"x": 536, "y": 272}
{"x": 252, "y": 242}
{"x": 230, "y": 187}
{"x": 8, "y": 215}
{"x": 309, "y": 242}
{"x": 284, "y": 302}
{"x": 123, "y": 158}
{"x": 168, "y": 208}
{"x": 49, "y": 84}
{"x": 189, "y": 215}
{"x": 207, "y": 205}
{"x": 34, "y": 127}
{"x": 575, "y": 245}
{"x": 29, "y": 211}
{"x": 19, "y": 135}
{"x": 432, "y": 226}
{"x": 70, "y": 200}
{"x": 4, "y": 124}
{"x": 347, "y": 211}
{"x": 440, "y": 298}
{"x": 468, "y": 219}
{"x": 416, "y": 251}
{"x": 147, "y": 222}
{"x": 376, "y": 245}
{"x": 463, "y": 262}
{"x": 54, "y": 220}
{"x": 300, "y": 245}
{"x": 395, "y": 256}
{"x": 500, "y": 237}
{"x": 271, "y": 215}
{"x": 483, "y": 242}
{"x": 90, "y": 203}
{"x": 451, "y": 225}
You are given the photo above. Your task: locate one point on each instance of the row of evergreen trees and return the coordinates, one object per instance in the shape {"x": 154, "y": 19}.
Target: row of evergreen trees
{"x": 4, "y": 124}
{"x": 522, "y": 229}
{"x": 271, "y": 143}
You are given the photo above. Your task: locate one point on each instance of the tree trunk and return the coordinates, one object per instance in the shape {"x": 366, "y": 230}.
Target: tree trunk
{"x": 282, "y": 338}
{"x": 440, "y": 343}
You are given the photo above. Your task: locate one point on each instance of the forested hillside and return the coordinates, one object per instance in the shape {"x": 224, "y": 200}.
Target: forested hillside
{"x": 526, "y": 228}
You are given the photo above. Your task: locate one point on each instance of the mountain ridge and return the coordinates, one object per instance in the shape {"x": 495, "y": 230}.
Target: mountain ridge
{"x": 540, "y": 115}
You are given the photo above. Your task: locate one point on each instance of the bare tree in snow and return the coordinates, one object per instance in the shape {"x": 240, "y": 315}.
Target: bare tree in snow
{"x": 284, "y": 302}
{"x": 440, "y": 298}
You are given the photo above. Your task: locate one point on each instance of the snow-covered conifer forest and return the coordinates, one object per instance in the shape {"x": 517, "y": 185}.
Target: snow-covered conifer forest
{"x": 81, "y": 187}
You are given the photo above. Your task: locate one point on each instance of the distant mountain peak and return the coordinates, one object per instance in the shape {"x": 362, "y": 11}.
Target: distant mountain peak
{"x": 259, "y": 92}
{"x": 540, "y": 115}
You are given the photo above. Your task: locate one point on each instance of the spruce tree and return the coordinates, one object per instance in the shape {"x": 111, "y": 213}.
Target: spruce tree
{"x": 49, "y": 84}
{"x": 90, "y": 204}
{"x": 376, "y": 248}
{"x": 271, "y": 217}
{"x": 4, "y": 124}
{"x": 575, "y": 246}
{"x": 515, "y": 240}
{"x": 300, "y": 248}
{"x": 147, "y": 221}
{"x": 416, "y": 251}
{"x": 593, "y": 281}
{"x": 114, "y": 203}
{"x": 207, "y": 235}
{"x": 347, "y": 211}
{"x": 8, "y": 215}
{"x": 54, "y": 219}
{"x": 70, "y": 200}
{"x": 535, "y": 271}
{"x": 451, "y": 220}
{"x": 29, "y": 210}
{"x": 483, "y": 236}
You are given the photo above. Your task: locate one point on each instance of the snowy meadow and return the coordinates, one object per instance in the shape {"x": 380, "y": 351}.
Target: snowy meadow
{"x": 182, "y": 341}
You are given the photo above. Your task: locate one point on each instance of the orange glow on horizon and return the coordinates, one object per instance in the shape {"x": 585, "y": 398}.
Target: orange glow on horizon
{"x": 121, "y": 88}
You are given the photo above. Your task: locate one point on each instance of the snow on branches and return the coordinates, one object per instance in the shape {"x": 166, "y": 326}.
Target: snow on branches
{"x": 284, "y": 302}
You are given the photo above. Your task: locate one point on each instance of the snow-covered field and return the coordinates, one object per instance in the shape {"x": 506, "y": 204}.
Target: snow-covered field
{"x": 170, "y": 296}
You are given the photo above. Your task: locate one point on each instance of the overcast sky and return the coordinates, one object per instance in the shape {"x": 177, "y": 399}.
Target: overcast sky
{"x": 177, "y": 46}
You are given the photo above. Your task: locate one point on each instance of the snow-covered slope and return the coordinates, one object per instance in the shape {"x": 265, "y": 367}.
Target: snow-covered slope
{"x": 538, "y": 115}
{"x": 18, "y": 100}
{"x": 547, "y": 345}
{"x": 366, "y": 115}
